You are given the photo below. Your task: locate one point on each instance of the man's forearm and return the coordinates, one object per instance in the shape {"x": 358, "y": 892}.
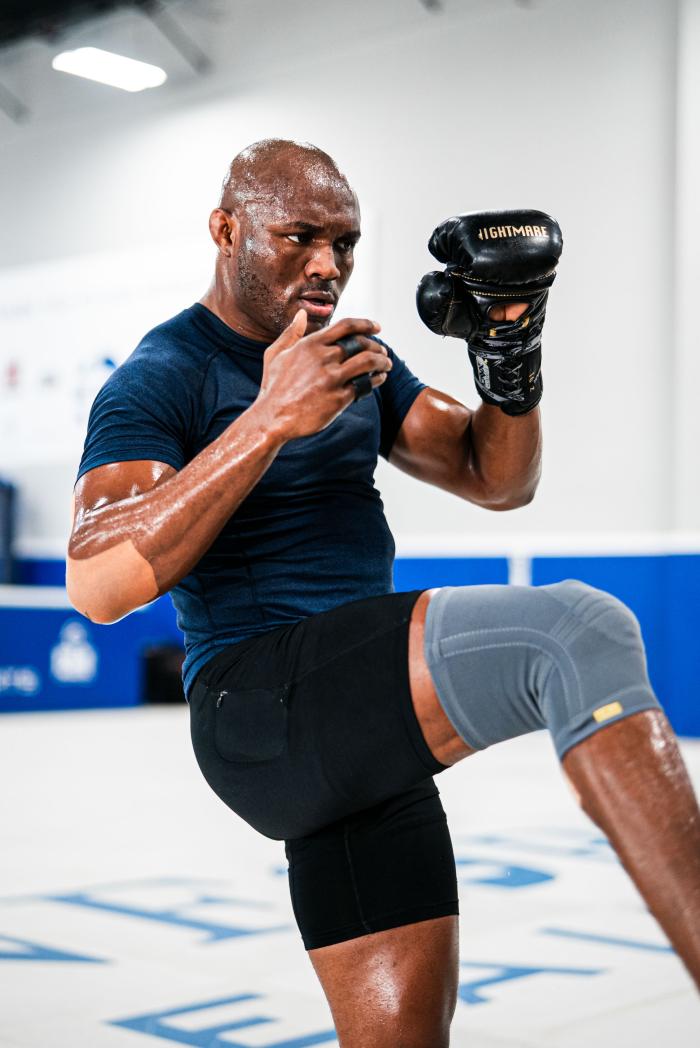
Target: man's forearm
{"x": 504, "y": 457}
{"x": 127, "y": 553}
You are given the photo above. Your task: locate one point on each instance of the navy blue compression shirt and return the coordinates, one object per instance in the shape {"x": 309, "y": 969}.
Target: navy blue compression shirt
{"x": 311, "y": 534}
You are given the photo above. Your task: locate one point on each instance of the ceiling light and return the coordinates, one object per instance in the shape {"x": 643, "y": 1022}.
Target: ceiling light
{"x": 108, "y": 68}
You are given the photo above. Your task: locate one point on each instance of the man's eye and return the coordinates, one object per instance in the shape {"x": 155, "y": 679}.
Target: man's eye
{"x": 299, "y": 238}
{"x": 346, "y": 245}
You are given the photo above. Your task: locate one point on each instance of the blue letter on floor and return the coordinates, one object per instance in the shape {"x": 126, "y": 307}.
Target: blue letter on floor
{"x": 209, "y": 1036}
{"x": 33, "y": 951}
{"x": 469, "y": 992}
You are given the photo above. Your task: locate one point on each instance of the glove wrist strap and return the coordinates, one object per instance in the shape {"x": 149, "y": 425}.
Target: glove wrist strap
{"x": 512, "y": 383}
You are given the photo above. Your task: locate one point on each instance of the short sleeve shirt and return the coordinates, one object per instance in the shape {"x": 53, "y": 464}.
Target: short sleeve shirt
{"x": 312, "y": 533}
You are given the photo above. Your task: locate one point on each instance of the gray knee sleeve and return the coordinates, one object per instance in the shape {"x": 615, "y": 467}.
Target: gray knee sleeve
{"x": 507, "y": 660}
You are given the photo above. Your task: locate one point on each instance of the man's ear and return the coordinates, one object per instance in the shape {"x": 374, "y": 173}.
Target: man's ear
{"x": 224, "y": 228}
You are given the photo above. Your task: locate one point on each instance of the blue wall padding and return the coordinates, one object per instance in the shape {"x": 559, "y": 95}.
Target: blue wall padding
{"x": 40, "y": 572}
{"x": 426, "y": 572}
{"x": 663, "y": 591}
{"x": 28, "y": 636}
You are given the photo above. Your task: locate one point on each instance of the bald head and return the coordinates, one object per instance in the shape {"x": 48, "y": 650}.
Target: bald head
{"x": 277, "y": 168}
{"x": 286, "y": 229}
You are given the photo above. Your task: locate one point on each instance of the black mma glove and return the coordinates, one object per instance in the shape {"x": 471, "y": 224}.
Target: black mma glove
{"x": 494, "y": 257}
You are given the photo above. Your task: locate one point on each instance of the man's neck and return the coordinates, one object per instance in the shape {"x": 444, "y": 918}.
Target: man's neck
{"x": 221, "y": 306}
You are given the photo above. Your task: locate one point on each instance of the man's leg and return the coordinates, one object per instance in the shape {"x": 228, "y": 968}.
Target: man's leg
{"x": 628, "y": 774}
{"x": 371, "y": 865}
{"x": 375, "y": 898}
{"x": 393, "y": 989}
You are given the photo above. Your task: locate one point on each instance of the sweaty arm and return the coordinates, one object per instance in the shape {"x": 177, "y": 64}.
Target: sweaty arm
{"x": 141, "y": 526}
{"x": 484, "y": 456}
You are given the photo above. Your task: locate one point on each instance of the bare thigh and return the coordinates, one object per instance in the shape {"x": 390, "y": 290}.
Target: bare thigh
{"x": 443, "y": 741}
{"x": 393, "y": 989}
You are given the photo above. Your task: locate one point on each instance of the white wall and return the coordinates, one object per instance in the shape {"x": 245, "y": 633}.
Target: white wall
{"x": 686, "y": 393}
{"x": 565, "y": 105}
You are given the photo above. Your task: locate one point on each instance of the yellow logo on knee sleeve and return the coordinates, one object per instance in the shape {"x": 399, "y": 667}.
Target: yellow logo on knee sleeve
{"x": 604, "y": 713}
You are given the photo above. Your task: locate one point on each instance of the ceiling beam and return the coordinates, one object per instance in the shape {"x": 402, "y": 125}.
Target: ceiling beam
{"x": 12, "y": 106}
{"x": 176, "y": 35}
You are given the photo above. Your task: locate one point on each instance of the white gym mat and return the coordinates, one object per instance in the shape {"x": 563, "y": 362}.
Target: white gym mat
{"x": 136, "y": 910}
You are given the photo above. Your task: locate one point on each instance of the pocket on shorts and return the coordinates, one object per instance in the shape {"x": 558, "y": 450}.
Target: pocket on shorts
{"x": 250, "y": 724}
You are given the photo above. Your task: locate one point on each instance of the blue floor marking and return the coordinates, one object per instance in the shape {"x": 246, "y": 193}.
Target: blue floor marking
{"x": 596, "y": 849}
{"x": 607, "y": 940}
{"x": 209, "y": 1036}
{"x": 231, "y": 900}
{"x": 469, "y": 991}
{"x": 216, "y": 932}
{"x": 510, "y": 876}
{"x": 34, "y": 951}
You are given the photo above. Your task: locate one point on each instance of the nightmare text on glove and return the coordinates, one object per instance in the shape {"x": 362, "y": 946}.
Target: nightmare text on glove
{"x": 494, "y": 257}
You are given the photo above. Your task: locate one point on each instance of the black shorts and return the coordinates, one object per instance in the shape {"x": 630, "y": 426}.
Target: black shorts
{"x": 309, "y": 734}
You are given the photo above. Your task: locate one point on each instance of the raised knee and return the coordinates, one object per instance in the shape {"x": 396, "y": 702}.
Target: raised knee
{"x": 602, "y": 665}
{"x": 598, "y": 610}
{"x": 566, "y": 656}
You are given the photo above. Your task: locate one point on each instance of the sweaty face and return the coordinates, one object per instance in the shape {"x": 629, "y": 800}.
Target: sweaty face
{"x": 295, "y": 252}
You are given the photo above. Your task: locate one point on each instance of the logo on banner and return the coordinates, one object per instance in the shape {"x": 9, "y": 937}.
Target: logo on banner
{"x": 73, "y": 659}
{"x": 22, "y": 679}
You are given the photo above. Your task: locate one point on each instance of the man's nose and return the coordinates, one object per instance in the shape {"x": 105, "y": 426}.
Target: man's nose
{"x": 322, "y": 263}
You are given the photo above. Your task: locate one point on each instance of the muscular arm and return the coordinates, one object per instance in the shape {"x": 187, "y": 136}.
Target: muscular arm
{"x": 140, "y": 527}
{"x": 484, "y": 456}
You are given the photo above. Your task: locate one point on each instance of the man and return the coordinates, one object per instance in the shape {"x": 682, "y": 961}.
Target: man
{"x": 230, "y": 460}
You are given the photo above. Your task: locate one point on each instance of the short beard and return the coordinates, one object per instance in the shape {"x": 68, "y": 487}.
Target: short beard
{"x": 256, "y": 299}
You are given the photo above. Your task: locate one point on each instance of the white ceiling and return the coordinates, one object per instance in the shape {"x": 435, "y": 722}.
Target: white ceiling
{"x": 242, "y": 38}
